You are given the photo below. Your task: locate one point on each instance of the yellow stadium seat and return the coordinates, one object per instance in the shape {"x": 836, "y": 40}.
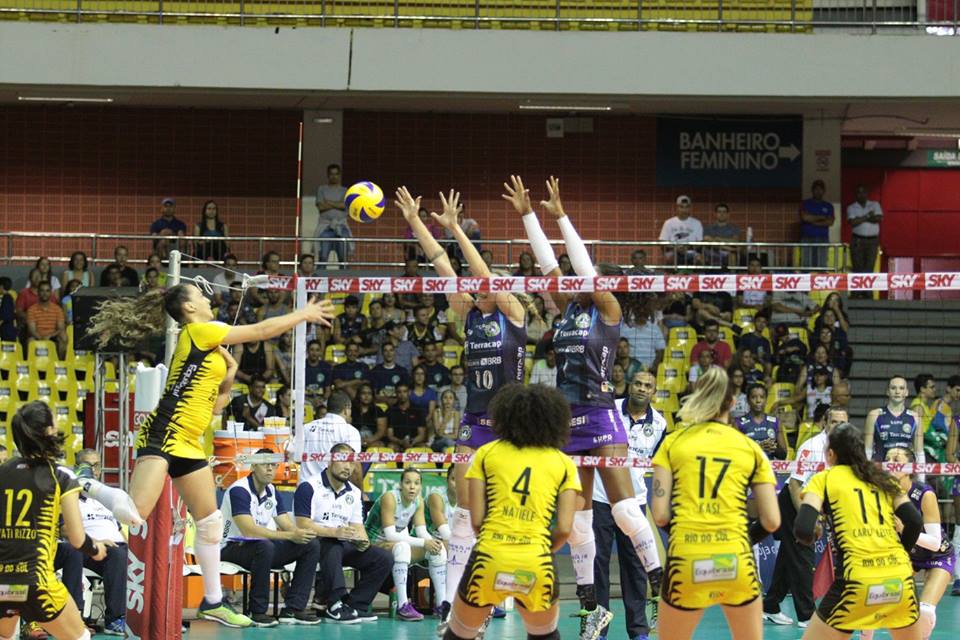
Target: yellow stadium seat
{"x": 801, "y": 333}
{"x": 40, "y": 355}
{"x": 71, "y": 354}
{"x": 727, "y": 336}
{"x": 527, "y": 370}
{"x": 41, "y": 390}
{"x": 307, "y": 412}
{"x": 452, "y": 354}
{"x": 7, "y": 401}
{"x": 671, "y": 425}
{"x": 22, "y": 377}
{"x": 779, "y": 391}
{"x": 77, "y": 395}
{"x": 63, "y": 416}
{"x": 666, "y": 401}
{"x": 60, "y": 376}
{"x": 83, "y": 365}
{"x": 743, "y": 317}
{"x": 335, "y": 353}
{"x": 111, "y": 383}
{"x": 239, "y": 389}
{"x": 671, "y": 378}
{"x": 272, "y": 389}
{"x": 10, "y": 355}
{"x": 806, "y": 431}
{"x": 684, "y": 337}
{"x": 677, "y": 357}
{"x": 421, "y": 465}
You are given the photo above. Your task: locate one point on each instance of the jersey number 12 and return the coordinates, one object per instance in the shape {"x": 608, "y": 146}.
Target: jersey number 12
{"x": 26, "y": 497}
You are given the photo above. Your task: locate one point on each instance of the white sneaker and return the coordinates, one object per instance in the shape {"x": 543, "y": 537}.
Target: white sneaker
{"x": 777, "y": 618}
{"x": 803, "y": 623}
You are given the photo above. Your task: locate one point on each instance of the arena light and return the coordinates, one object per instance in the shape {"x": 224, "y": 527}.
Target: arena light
{"x": 59, "y": 99}
{"x": 927, "y": 133}
{"x": 560, "y": 107}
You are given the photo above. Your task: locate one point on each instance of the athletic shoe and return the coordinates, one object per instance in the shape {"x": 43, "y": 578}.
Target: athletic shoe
{"x": 498, "y": 613}
{"x": 289, "y": 616}
{"x": 444, "y": 614}
{"x": 263, "y": 620}
{"x": 777, "y": 618}
{"x": 409, "y": 613}
{"x": 115, "y": 628}
{"x": 341, "y": 613}
{"x": 224, "y": 614}
{"x": 803, "y": 623}
{"x": 368, "y": 616}
{"x": 956, "y": 588}
{"x": 642, "y": 636}
{"x": 592, "y": 623}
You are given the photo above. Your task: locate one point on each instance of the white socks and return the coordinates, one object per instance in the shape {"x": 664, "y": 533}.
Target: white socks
{"x": 437, "y": 565}
{"x": 461, "y": 545}
{"x": 583, "y": 546}
{"x": 208, "y": 557}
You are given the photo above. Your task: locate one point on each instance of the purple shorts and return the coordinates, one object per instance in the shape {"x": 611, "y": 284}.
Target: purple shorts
{"x": 594, "y": 427}
{"x": 955, "y": 491}
{"x": 476, "y": 430}
{"x": 945, "y": 561}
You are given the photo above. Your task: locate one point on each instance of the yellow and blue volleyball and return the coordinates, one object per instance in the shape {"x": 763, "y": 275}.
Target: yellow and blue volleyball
{"x": 365, "y": 202}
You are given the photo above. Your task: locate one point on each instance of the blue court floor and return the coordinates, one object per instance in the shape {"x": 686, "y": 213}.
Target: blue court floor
{"x": 712, "y": 627}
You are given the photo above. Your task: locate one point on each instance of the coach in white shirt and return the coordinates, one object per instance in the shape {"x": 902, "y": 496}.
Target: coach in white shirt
{"x": 681, "y": 228}
{"x": 794, "y": 568}
{"x": 864, "y": 217}
{"x": 637, "y": 554}
{"x": 319, "y": 436}
{"x": 259, "y": 535}
{"x": 332, "y": 507}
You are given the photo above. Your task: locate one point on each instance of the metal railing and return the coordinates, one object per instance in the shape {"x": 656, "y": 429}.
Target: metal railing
{"x": 24, "y": 248}
{"x": 923, "y": 16}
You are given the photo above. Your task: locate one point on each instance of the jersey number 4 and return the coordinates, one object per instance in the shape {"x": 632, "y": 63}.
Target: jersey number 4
{"x": 522, "y": 486}
{"x": 25, "y": 497}
{"x": 725, "y": 464}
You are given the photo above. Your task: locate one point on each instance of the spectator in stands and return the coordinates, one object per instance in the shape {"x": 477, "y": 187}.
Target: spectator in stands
{"x": 422, "y": 395}
{"x": 790, "y": 355}
{"x": 952, "y": 396}
{"x": 756, "y": 341}
{"x": 525, "y": 266}
{"x": 369, "y": 419}
{"x": 819, "y": 357}
{"x": 4, "y": 454}
{"x": 681, "y": 228}
{"x": 618, "y": 380}
{"x": 210, "y": 226}
{"x": 307, "y": 267}
{"x": 409, "y": 301}
{"x": 46, "y": 273}
{"x": 100, "y": 524}
{"x": 277, "y": 304}
{"x": 151, "y": 279}
{"x": 753, "y": 299}
{"x": 539, "y": 321}
{"x": 385, "y": 376}
{"x": 28, "y": 296}
{"x": 809, "y": 393}
{"x": 284, "y": 404}
{"x": 864, "y": 217}
{"x": 638, "y": 264}
{"x": 705, "y": 359}
{"x": 256, "y": 360}
{"x": 332, "y": 222}
{"x": 332, "y": 507}
{"x": 712, "y": 342}
{"x": 66, "y": 302}
{"x": 46, "y": 321}
{"x": 425, "y": 329}
{"x": 741, "y": 406}
{"x": 154, "y": 261}
{"x": 487, "y": 256}
{"x": 128, "y": 275}
{"x": 438, "y": 375}
{"x": 167, "y": 226}
{"x": 259, "y": 535}
{"x": 406, "y": 352}
{"x": 251, "y": 408}
{"x": 631, "y": 366}
{"x": 834, "y": 302}
{"x": 746, "y": 361}
{"x": 644, "y": 336}
{"x": 78, "y": 269}
{"x": 374, "y": 333}
{"x": 283, "y": 358}
{"x": 816, "y": 218}
{"x": 545, "y": 370}
{"x": 406, "y": 424}
{"x": 113, "y": 277}
{"x": 348, "y": 326}
{"x": 565, "y": 266}
{"x": 390, "y": 310}
{"x": 457, "y": 386}
{"x": 836, "y": 354}
{"x": 792, "y": 308}
{"x": 224, "y": 278}
{"x": 8, "y": 311}
{"x": 232, "y": 300}
{"x": 677, "y": 310}
{"x": 721, "y": 231}
{"x": 269, "y": 266}
{"x": 318, "y": 374}
{"x": 934, "y": 415}
{"x": 715, "y": 306}
{"x": 840, "y": 397}
{"x": 445, "y": 423}
{"x": 348, "y": 376}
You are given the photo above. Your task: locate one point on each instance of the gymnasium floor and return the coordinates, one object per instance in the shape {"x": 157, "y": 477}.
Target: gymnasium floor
{"x": 711, "y": 627}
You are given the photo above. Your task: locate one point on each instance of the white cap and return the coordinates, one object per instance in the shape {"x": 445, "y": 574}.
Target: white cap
{"x": 684, "y": 200}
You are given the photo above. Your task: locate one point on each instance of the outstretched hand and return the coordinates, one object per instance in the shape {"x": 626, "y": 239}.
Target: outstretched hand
{"x": 553, "y": 205}
{"x": 319, "y": 312}
{"x": 409, "y": 207}
{"x": 450, "y": 217}
{"x": 517, "y": 195}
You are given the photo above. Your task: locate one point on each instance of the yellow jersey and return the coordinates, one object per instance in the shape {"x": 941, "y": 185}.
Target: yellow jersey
{"x": 522, "y": 486}
{"x": 713, "y": 465}
{"x": 863, "y": 523}
{"x": 186, "y": 408}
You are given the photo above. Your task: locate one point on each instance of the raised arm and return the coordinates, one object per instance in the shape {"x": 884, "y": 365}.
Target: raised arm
{"x": 316, "y": 311}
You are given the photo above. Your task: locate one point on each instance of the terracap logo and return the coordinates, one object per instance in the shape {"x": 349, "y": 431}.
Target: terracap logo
{"x": 716, "y": 568}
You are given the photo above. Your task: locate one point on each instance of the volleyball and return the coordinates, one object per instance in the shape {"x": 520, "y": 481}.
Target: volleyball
{"x": 365, "y": 202}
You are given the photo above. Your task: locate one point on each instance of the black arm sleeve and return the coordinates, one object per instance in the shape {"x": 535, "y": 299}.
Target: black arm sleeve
{"x": 757, "y": 532}
{"x": 804, "y": 527}
{"x": 912, "y": 524}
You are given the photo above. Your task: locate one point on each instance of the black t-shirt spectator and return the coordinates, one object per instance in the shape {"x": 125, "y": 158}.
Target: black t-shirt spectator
{"x": 406, "y": 422}
{"x": 258, "y": 413}
{"x": 437, "y": 375}
{"x": 351, "y": 371}
{"x": 385, "y": 380}
{"x": 758, "y": 344}
{"x": 319, "y": 377}
{"x": 366, "y": 422}
{"x": 128, "y": 275}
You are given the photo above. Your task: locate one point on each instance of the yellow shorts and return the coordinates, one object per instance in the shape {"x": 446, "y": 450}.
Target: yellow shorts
{"x": 698, "y": 576}
{"x": 36, "y": 603}
{"x": 166, "y": 436}
{"x": 862, "y": 601}
{"x": 526, "y": 572}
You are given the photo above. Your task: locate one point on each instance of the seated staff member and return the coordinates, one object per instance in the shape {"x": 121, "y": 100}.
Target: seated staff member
{"x": 517, "y": 485}
{"x": 332, "y": 507}
{"x": 874, "y": 587}
{"x": 388, "y": 527}
{"x": 259, "y": 535}
{"x": 700, "y": 479}
{"x": 34, "y": 494}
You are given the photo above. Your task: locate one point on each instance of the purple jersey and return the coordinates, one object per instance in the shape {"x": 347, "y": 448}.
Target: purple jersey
{"x": 925, "y": 558}
{"x": 893, "y": 431}
{"x": 765, "y": 429}
{"x": 495, "y": 351}
{"x": 586, "y": 347}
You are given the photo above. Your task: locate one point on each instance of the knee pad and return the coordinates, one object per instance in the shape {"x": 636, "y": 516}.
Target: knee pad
{"x": 439, "y": 558}
{"x": 462, "y": 527}
{"x": 928, "y": 619}
{"x": 582, "y": 530}
{"x": 210, "y": 529}
{"x": 401, "y": 552}
{"x": 629, "y": 516}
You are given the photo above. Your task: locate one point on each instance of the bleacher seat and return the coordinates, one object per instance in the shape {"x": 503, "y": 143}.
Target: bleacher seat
{"x": 22, "y": 377}
{"x": 239, "y": 389}
{"x": 451, "y": 355}
{"x": 779, "y": 391}
{"x": 40, "y": 355}
{"x": 10, "y": 355}
{"x": 671, "y": 378}
{"x": 61, "y": 377}
{"x": 666, "y": 401}
{"x": 682, "y": 337}
{"x": 743, "y": 317}
{"x": 41, "y": 390}
{"x": 272, "y": 389}
{"x": 335, "y": 353}
{"x": 83, "y": 365}
{"x": 726, "y": 335}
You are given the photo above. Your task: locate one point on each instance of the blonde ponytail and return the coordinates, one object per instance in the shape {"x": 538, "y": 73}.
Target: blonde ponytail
{"x": 710, "y": 397}
{"x": 130, "y": 321}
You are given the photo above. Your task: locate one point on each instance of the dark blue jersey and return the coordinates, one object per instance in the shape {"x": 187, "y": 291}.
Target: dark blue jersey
{"x": 319, "y": 377}
{"x": 766, "y": 429}
{"x": 893, "y": 431}
{"x": 495, "y": 350}
{"x": 386, "y": 380}
{"x": 586, "y": 347}
{"x": 920, "y": 554}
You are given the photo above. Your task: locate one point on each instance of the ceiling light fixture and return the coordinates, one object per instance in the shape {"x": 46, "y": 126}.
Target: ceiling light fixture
{"x": 553, "y": 107}
{"x": 58, "y": 99}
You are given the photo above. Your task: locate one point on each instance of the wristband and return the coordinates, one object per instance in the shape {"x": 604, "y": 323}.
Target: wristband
{"x": 88, "y": 547}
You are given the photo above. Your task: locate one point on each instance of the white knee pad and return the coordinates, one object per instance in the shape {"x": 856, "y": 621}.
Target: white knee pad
{"x": 462, "y": 527}
{"x": 210, "y": 529}
{"x": 629, "y": 516}
{"x": 582, "y": 530}
{"x": 401, "y": 552}
{"x": 928, "y": 620}
{"x": 439, "y": 558}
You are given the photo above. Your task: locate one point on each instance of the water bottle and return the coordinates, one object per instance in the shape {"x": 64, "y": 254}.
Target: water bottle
{"x": 393, "y": 603}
